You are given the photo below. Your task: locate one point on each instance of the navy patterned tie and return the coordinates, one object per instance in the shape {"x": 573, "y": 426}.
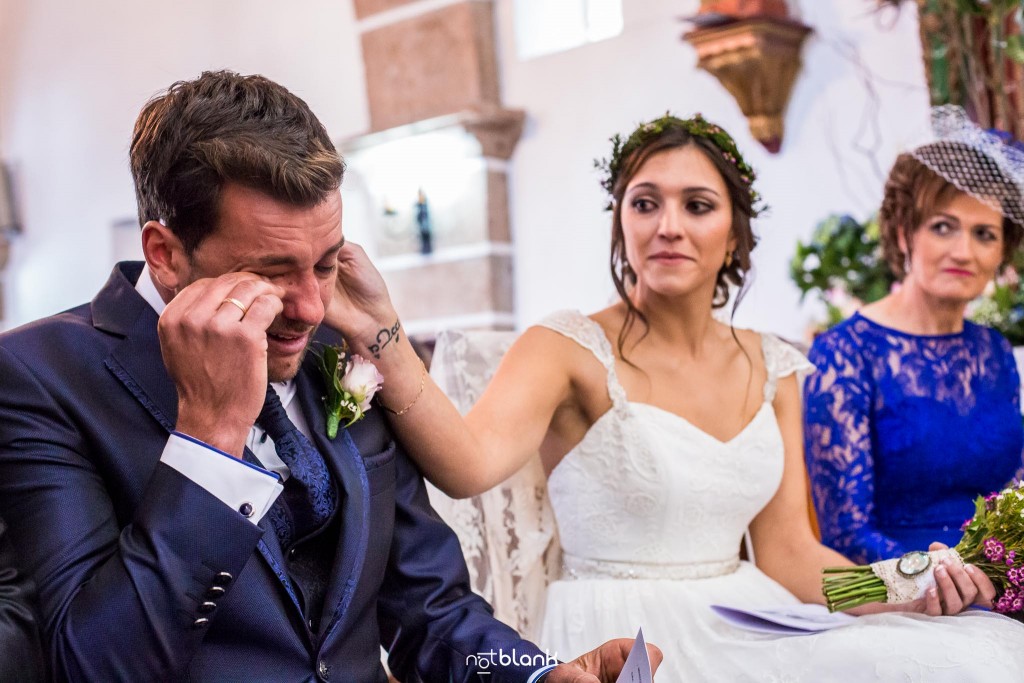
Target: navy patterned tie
{"x": 309, "y": 496}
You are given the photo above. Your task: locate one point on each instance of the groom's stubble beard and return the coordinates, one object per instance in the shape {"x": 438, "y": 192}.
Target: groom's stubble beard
{"x": 285, "y": 370}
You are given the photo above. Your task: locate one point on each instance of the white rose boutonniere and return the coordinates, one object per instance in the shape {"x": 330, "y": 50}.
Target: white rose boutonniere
{"x": 351, "y": 383}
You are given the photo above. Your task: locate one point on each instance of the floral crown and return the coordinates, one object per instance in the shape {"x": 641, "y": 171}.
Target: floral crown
{"x": 697, "y": 126}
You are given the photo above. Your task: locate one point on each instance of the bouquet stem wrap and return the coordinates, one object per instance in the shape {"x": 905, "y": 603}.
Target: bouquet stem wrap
{"x": 900, "y": 588}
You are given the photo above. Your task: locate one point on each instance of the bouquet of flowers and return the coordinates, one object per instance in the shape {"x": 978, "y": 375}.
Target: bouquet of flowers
{"x": 993, "y": 541}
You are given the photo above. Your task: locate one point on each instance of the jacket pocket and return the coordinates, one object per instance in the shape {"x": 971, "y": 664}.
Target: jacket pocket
{"x": 380, "y": 469}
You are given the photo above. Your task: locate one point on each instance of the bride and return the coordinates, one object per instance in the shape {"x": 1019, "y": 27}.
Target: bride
{"x": 665, "y": 435}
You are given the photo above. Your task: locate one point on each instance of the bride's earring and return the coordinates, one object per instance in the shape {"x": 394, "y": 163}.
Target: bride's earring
{"x": 728, "y": 259}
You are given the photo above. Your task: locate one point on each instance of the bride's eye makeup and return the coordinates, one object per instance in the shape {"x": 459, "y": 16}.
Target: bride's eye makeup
{"x": 700, "y": 206}
{"x": 643, "y": 204}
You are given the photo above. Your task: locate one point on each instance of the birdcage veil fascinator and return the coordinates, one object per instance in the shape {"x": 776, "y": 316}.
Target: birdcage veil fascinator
{"x": 987, "y": 165}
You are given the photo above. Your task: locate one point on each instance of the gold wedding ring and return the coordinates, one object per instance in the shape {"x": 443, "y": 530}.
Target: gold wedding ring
{"x": 235, "y": 302}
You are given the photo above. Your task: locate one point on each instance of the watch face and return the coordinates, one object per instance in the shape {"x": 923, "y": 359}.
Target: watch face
{"x": 913, "y": 563}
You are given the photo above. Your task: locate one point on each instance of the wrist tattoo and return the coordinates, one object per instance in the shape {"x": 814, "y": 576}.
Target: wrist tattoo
{"x": 385, "y": 336}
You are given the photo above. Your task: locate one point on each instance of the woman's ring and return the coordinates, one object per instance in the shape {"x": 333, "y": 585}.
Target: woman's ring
{"x": 235, "y": 302}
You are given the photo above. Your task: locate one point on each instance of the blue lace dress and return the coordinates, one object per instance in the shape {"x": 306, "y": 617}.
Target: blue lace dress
{"x": 903, "y": 431}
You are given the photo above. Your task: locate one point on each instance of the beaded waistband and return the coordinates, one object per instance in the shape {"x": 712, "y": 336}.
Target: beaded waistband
{"x": 574, "y": 567}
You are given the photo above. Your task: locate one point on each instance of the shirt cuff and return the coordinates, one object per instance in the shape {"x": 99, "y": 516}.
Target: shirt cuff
{"x": 540, "y": 673}
{"x": 243, "y": 487}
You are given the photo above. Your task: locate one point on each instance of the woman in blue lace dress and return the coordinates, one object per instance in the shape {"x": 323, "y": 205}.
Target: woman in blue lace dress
{"x": 913, "y": 410}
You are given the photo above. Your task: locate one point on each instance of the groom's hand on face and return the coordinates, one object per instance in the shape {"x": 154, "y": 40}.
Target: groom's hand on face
{"x": 213, "y": 336}
{"x": 602, "y": 665}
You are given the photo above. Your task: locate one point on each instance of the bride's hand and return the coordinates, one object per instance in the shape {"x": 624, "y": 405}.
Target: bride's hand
{"x": 360, "y": 304}
{"x": 958, "y": 587}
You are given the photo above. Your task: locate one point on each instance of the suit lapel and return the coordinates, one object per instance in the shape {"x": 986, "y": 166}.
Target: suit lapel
{"x": 346, "y": 465}
{"x": 270, "y": 549}
{"x": 136, "y": 361}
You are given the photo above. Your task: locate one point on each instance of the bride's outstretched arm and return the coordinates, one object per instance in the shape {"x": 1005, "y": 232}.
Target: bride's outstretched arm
{"x": 787, "y": 551}
{"x": 462, "y": 457}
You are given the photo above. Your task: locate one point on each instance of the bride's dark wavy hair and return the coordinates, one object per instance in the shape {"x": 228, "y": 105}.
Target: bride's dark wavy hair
{"x": 667, "y": 136}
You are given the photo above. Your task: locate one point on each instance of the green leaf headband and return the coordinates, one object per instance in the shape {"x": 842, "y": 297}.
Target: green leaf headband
{"x": 698, "y": 126}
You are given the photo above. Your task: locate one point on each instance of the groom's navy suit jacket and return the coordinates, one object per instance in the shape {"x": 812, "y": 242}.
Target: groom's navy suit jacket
{"x": 124, "y": 549}
{"x": 20, "y": 657}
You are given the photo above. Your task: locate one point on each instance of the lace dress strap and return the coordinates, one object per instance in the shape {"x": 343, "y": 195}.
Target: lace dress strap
{"x": 781, "y": 359}
{"x": 590, "y": 336}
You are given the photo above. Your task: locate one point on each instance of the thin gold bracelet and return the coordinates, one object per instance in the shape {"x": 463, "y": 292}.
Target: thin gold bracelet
{"x": 403, "y": 411}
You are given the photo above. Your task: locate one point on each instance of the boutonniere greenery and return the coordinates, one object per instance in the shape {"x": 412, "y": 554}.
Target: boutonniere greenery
{"x": 351, "y": 382}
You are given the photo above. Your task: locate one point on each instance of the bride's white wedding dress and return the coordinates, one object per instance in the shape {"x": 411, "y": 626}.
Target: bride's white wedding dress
{"x": 651, "y": 512}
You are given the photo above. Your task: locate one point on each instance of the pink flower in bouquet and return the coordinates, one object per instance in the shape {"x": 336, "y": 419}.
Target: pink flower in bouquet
{"x": 1015, "y": 576}
{"x": 1010, "y": 601}
{"x": 994, "y": 550}
{"x": 1005, "y": 602}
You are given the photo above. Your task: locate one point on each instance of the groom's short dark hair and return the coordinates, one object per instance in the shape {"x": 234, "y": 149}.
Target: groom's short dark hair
{"x": 224, "y": 127}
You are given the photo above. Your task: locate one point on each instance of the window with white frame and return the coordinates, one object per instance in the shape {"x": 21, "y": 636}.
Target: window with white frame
{"x": 546, "y": 26}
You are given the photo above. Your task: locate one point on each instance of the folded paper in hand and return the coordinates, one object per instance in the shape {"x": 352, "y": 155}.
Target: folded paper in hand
{"x": 637, "y": 668}
{"x": 797, "y": 619}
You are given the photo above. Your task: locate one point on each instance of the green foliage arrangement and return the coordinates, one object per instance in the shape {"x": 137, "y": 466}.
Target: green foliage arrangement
{"x": 843, "y": 265}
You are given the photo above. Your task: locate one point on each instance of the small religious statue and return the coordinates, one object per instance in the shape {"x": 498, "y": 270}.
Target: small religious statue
{"x": 423, "y": 222}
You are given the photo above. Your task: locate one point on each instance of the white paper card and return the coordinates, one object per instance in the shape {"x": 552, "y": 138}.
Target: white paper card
{"x": 638, "y": 665}
{"x": 789, "y": 619}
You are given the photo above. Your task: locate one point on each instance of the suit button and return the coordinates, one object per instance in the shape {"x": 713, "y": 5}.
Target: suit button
{"x": 246, "y": 509}
{"x": 215, "y": 592}
{"x": 207, "y": 607}
{"x": 223, "y": 579}
{"x": 200, "y": 622}
{"x": 323, "y": 671}
{"x": 292, "y": 553}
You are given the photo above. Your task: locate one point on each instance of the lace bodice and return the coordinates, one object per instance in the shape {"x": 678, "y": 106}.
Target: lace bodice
{"x": 903, "y": 431}
{"x": 645, "y": 486}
